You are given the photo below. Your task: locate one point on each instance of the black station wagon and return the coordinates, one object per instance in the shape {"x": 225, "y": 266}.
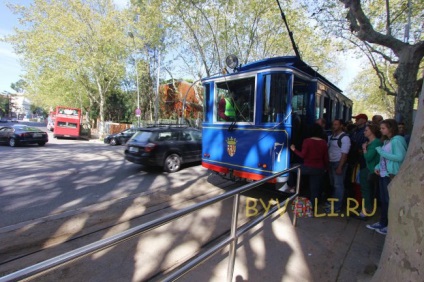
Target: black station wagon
{"x": 165, "y": 146}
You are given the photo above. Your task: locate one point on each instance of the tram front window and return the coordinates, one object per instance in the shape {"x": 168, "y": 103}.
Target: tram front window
{"x": 235, "y": 100}
{"x": 275, "y": 97}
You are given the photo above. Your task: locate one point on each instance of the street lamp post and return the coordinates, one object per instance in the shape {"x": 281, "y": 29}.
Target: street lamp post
{"x": 137, "y": 112}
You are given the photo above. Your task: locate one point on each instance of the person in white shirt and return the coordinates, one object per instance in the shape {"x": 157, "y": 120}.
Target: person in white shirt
{"x": 338, "y": 149}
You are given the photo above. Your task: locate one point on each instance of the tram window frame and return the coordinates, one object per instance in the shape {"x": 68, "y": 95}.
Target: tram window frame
{"x": 275, "y": 97}
{"x": 242, "y": 94}
{"x": 318, "y": 106}
{"x": 333, "y": 109}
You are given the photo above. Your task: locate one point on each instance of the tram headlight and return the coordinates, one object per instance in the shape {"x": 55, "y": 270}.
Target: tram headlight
{"x": 232, "y": 61}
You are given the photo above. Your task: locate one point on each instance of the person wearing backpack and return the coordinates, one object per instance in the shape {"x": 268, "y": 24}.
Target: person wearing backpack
{"x": 338, "y": 148}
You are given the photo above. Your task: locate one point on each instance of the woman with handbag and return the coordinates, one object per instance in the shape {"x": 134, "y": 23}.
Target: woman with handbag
{"x": 392, "y": 154}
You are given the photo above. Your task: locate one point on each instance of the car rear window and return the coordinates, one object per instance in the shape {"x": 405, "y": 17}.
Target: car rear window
{"x": 142, "y": 136}
{"x": 26, "y": 128}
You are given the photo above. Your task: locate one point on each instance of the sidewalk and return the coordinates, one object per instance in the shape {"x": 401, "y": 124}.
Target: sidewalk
{"x": 318, "y": 249}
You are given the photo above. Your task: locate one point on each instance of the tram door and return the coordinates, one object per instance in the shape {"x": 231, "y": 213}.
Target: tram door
{"x": 299, "y": 120}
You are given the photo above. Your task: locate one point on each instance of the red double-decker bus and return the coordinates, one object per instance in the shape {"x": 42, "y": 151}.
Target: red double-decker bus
{"x": 67, "y": 123}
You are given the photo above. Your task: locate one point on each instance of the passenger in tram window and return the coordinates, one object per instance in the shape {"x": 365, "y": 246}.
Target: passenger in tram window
{"x": 226, "y": 110}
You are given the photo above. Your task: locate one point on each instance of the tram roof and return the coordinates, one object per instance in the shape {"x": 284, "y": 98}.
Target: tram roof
{"x": 286, "y": 61}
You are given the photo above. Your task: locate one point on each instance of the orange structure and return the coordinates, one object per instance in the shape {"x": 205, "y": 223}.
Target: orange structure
{"x": 173, "y": 96}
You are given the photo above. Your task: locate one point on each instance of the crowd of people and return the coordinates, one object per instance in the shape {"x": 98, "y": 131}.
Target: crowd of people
{"x": 365, "y": 156}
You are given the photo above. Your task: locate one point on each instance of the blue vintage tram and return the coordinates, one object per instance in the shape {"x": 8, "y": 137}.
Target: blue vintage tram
{"x": 254, "y": 114}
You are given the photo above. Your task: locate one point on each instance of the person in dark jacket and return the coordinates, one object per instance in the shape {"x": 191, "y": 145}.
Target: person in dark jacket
{"x": 315, "y": 161}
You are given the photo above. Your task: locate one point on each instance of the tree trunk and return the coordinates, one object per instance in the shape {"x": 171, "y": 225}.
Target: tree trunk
{"x": 402, "y": 258}
{"x": 101, "y": 125}
{"x": 406, "y": 75}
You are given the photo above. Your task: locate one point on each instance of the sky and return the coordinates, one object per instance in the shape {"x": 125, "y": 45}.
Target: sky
{"x": 10, "y": 68}
{"x": 11, "y": 71}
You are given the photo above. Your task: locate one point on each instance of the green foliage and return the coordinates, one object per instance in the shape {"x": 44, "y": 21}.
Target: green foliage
{"x": 37, "y": 110}
{"x": 4, "y": 105}
{"x": 119, "y": 106}
{"x": 19, "y": 86}
{"x": 73, "y": 51}
{"x": 369, "y": 98}
{"x": 203, "y": 35}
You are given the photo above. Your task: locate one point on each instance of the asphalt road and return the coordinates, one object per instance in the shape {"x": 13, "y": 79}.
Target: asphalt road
{"x": 70, "y": 193}
{"x": 65, "y": 175}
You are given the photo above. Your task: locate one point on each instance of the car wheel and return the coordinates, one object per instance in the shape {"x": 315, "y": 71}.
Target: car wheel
{"x": 41, "y": 143}
{"x": 112, "y": 142}
{"x": 12, "y": 142}
{"x": 172, "y": 163}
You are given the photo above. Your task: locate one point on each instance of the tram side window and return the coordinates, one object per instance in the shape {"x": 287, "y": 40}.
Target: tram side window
{"x": 318, "y": 112}
{"x": 235, "y": 100}
{"x": 274, "y": 97}
{"x": 299, "y": 101}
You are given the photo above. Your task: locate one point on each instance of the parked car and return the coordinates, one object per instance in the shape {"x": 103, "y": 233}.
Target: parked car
{"x": 22, "y": 134}
{"x": 121, "y": 137}
{"x": 168, "y": 147}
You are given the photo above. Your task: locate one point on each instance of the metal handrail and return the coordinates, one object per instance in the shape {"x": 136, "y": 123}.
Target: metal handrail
{"x": 135, "y": 231}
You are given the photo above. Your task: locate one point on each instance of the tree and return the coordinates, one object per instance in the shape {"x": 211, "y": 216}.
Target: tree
{"x": 19, "y": 86}
{"x": 402, "y": 257}
{"x": 82, "y": 44}
{"x": 409, "y": 57}
{"x": 118, "y": 106}
{"x": 148, "y": 33}
{"x": 376, "y": 28}
{"x": 205, "y": 34}
{"x": 4, "y": 104}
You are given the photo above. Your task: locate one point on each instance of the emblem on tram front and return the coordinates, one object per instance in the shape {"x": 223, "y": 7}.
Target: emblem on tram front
{"x": 231, "y": 146}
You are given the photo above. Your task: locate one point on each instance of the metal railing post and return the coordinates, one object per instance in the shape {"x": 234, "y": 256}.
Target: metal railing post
{"x": 233, "y": 236}
{"x": 297, "y": 193}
